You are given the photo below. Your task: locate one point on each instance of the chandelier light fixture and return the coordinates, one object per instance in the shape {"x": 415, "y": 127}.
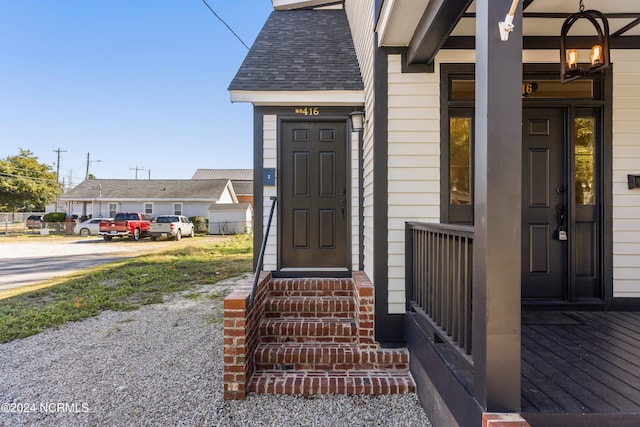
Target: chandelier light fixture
{"x": 570, "y": 66}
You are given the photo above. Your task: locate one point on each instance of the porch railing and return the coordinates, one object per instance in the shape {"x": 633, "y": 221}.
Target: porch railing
{"x": 439, "y": 262}
{"x": 263, "y": 248}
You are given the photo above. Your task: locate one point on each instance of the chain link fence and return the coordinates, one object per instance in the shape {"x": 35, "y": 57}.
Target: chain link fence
{"x": 13, "y": 223}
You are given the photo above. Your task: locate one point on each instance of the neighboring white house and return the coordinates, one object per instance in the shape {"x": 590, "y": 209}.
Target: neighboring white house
{"x": 106, "y": 197}
{"x": 236, "y": 218}
{"x": 241, "y": 179}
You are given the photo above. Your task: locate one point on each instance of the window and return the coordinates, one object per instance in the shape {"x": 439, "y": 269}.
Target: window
{"x": 532, "y": 88}
{"x": 584, "y": 151}
{"x": 177, "y": 208}
{"x": 113, "y": 209}
{"x": 460, "y": 188}
{"x": 148, "y": 208}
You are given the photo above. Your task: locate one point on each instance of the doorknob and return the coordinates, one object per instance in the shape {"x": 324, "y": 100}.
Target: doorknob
{"x": 560, "y": 189}
{"x": 343, "y": 202}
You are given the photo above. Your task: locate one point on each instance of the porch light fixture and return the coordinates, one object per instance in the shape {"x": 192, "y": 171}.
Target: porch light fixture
{"x": 570, "y": 68}
{"x": 357, "y": 121}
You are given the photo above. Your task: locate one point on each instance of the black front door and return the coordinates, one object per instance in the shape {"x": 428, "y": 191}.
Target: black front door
{"x": 314, "y": 195}
{"x": 560, "y": 221}
{"x": 544, "y": 204}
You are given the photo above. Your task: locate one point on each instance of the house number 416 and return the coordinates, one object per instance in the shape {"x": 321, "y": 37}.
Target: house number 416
{"x": 307, "y": 111}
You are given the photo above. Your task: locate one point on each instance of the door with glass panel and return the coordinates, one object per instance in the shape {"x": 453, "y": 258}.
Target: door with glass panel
{"x": 560, "y": 221}
{"x": 561, "y": 204}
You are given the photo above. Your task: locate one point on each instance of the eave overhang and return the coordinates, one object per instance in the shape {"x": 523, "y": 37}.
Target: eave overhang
{"x": 450, "y": 24}
{"x": 301, "y": 4}
{"x": 421, "y": 25}
{"x": 290, "y": 98}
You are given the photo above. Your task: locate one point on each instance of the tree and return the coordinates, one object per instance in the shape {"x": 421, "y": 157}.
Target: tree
{"x": 26, "y": 184}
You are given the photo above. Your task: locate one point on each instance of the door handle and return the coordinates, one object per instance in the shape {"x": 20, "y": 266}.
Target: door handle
{"x": 561, "y": 231}
{"x": 343, "y": 202}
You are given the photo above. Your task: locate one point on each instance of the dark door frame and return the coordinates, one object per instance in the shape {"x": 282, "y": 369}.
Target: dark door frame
{"x": 602, "y": 100}
{"x": 348, "y": 211}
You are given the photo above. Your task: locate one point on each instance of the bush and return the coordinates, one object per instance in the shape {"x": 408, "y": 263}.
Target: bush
{"x": 54, "y": 217}
{"x": 199, "y": 223}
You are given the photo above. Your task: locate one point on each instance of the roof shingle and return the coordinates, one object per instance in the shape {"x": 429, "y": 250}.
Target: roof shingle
{"x": 155, "y": 189}
{"x": 301, "y": 50}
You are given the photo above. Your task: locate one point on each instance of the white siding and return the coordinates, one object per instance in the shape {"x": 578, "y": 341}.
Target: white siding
{"x": 360, "y": 16}
{"x": 414, "y": 110}
{"x": 413, "y": 158}
{"x": 270, "y": 160}
{"x": 413, "y": 163}
{"x": 626, "y": 160}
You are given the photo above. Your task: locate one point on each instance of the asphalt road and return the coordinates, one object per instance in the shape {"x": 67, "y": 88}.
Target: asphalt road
{"x": 26, "y": 262}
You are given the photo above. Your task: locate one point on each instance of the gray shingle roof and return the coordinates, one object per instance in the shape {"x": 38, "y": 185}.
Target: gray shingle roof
{"x": 301, "y": 50}
{"x": 243, "y": 188}
{"x": 142, "y": 189}
{"x": 230, "y": 207}
{"x": 232, "y": 174}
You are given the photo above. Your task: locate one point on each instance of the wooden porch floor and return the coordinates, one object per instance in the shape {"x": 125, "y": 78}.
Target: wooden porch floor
{"x": 581, "y": 363}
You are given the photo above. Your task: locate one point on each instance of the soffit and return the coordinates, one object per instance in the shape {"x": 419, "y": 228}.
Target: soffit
{"x": 399, "y": 19}
{"x": 545, "y": 17}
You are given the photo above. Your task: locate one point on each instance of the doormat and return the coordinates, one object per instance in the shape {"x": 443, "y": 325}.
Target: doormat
{"x": 548, "y": 318}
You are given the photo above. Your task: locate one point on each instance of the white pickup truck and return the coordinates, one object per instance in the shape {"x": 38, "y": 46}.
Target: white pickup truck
{"x": 171, "y": 226}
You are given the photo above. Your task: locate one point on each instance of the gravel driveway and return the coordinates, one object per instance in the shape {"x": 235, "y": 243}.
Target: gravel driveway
{"x": 160, "y": 365}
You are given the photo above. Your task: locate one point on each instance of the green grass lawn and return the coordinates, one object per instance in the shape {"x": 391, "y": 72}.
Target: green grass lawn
{"x": 123, "y": 286}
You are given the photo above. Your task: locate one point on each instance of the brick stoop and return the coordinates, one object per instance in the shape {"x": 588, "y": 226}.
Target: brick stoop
{"x": 316, "y": 337}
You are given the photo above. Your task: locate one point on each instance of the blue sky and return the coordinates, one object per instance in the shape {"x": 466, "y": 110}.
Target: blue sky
{"x": 135, "y": 83}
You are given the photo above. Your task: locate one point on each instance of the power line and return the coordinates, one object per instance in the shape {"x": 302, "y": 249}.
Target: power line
{"x": 225, "y": 24}
{"x": 32, "y": 178}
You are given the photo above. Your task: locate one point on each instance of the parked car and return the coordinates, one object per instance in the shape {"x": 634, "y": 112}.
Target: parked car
{"x": 33, "y": 221}
{"x": 134, "y": 225}
{"x": 90, "y": 227}
{"x": 172, "y": 227}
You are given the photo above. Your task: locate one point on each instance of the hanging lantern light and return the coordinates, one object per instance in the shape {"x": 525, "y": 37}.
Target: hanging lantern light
{"x": 570, "y": 67}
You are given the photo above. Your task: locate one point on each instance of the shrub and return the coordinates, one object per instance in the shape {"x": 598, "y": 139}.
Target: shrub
{"x": 54, "y": 217}
{"x": 199, "y": 223}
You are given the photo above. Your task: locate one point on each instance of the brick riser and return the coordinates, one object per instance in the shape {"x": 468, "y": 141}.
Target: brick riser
{"x": 308, "y": 330}
{"x": 328, "y": 382}
{"x": 336, "y": 357}
{"x": 310, "y": 306}
{"x": 310, "y": 342}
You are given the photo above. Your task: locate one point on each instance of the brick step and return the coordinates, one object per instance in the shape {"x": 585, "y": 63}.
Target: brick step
{"x": 330, "y": 286}
{"x": 336, "y": 330}
{"x": 332, "y": 356}
{"x": 330, "y": 382}
{"x": 309, "y": 306}
{"x": 311, "y": 293}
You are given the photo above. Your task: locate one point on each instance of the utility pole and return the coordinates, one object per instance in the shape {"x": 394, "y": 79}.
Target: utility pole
{"x": 58, "y": 164}
{"x": 149, "y": 174}
{"x": 136, "y": 169}
{"x": 86, "y": 176}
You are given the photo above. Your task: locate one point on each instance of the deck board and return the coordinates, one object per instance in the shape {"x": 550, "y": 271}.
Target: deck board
{"x": 592, "y": 367}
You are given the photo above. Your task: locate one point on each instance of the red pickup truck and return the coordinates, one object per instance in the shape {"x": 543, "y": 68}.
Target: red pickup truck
{"x": 126, "y": 224}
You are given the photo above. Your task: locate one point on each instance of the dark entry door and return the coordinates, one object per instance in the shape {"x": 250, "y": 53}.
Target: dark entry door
{"x": 545, "y": 230}
{"x": 314, "y": 194}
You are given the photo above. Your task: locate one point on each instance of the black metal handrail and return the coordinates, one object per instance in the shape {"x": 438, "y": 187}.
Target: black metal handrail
{"x": 263, "y": 247}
